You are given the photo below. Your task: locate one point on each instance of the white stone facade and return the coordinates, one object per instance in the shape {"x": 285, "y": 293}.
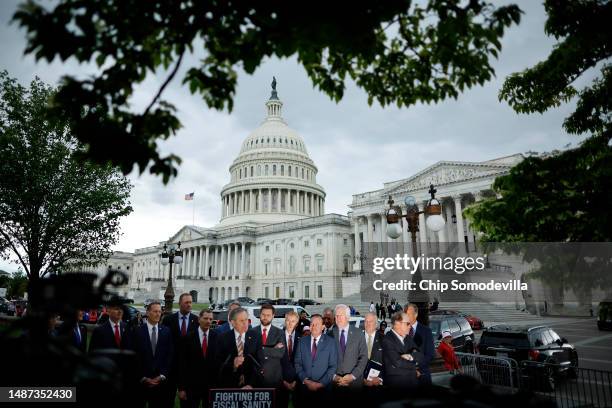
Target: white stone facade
{"x": 273, "y": 239}
{"x": 458, "y": 184}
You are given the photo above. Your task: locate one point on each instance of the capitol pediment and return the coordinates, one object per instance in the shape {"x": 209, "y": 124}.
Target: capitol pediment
{"x": 187, "y": 233}
{"x": 443, "y": 173}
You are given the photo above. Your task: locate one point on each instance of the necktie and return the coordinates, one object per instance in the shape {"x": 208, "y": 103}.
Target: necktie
{"x": 411, "y": 331}
{"x": 313, "y": 353}
{"x": 290, "y": 345}
{"x": 240, "y": 345}
{"x": 183, "y": 327}
{"x": 77, "y": 335}
{"x": 204, "y": 345}
{"x": 153, "y": 339}
{"x": 117, "y": 337}
{"x": 264, "y": 336}
{"x": 342, "y": 342}
{"x": 369, "y": 346}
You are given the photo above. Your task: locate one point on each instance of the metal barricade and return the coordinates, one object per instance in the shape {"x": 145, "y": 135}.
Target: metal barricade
{"x": 568, "y": 386}
{"x": 493, "y": 371}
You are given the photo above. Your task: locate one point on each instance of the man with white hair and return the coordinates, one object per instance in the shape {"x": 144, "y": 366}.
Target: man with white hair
{"x": 352, "y": 350}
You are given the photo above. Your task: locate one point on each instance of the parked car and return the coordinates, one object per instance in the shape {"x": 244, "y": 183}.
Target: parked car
{"x": 307, "y": 302}
{"x": 244, "y": 301}
{"x": 475, "y": 322}
{"x": 543, "y": 355}
{"x": 463, "y": 335}
{"x": 279, "y": 314}
{"x": 283, "y": 301}
{"x": 604, "y": 316}
{"x": 263, "y": 301}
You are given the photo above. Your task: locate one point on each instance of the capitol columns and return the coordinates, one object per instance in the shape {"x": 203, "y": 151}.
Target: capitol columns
{"x": 459, "y": 218}
{"x": 205, "y": 271}
{"x": 369, "y": 232}
{"x": 235, "y": 271}
{"x": 357, "y": 245}
{"x": 222, "y": 262}
{"x": 243, "y": 260}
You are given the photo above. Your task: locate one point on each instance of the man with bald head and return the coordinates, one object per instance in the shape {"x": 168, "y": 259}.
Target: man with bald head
{"x": 401, "y": 357}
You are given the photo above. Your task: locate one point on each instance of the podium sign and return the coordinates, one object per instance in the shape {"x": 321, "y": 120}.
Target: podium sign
{"x": 241, "y": 398}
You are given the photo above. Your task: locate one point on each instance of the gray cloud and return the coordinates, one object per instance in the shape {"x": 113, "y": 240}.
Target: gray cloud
{"x": 356, "y": 147}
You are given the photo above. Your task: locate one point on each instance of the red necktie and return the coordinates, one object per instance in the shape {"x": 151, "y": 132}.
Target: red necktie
{"x": 117, "y": 336}
{"x": 183, "y": 327}
{"x": 290, "y": 345}
{"x": 264, "y": 336}
{"x": 204, "y": 345}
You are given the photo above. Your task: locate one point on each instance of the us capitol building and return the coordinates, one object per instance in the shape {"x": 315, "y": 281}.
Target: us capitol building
{"x": 274, "y": 239}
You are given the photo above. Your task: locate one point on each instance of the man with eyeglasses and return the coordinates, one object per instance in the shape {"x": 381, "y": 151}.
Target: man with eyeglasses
{"x": 401, "y": 357}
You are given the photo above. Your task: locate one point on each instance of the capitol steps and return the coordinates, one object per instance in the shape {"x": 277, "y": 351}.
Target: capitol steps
{"x": 489, "y": 313}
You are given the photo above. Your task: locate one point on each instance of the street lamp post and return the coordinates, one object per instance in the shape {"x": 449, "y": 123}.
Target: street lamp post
{"x": 362, "y": 257}
{"x": 172, "y": 255}
{"x": 435, "y": 222}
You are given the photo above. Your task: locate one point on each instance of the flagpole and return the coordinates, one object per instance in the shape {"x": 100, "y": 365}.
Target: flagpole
{"x": 193, "y": 212}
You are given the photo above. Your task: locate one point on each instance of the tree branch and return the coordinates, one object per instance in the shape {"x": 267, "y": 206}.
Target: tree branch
{"x": 10, "y": 242}
{"x": 165, "y": 84}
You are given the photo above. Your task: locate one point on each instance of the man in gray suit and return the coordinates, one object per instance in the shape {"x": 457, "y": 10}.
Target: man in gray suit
{"x": 352, "y": 350}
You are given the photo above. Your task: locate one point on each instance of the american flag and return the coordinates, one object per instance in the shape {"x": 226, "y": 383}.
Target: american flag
{"x": 189, "y": 197}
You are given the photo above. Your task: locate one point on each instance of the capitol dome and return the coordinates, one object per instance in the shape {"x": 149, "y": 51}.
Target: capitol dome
{"x": 273, "y": 179}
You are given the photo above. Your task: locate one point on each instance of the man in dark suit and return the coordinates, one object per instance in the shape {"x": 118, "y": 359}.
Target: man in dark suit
{"x": 237, "y": 353}
{"x": 316, "y": 359}
{"x": 112, "y": 334}
{"x": 270, "y": 349}
{"x": 352, "y": 350}
{"x": 225, "y": 327}
{"x": 153, "y": 346}
{"x": 328, "y": 320}
{"x": 303, "y": 322}
{"x": 180, "y": 324}
{"x": 423, "y": 338}
{"x": 401, "y": 357}
{"x": 197, "y": 370}
{"x": 290, "y": 340}
{"x": 74, "y": 332}
{"x": 373, "y": 339}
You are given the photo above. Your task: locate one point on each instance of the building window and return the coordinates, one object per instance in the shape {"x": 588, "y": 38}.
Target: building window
{"x": 240, "y": 172}
{"x": 306, "y": 244}
{"x": 251, "y": 171}
{"x": 306, "y": 265}
{"x": 266, "y": 292}
{"x": 274, "y": 170}
{"x": 302, "y": 173}
{"x": 266, "y": 265}
{"x": 320, "y": 264}
{"x": 289, "y": 170}
{"x": 292, "y": 245}
{"x": 277, "y": 247}
{"x": 346, "y": 265}
{"x": 291, "y": 265}
{"x": 320, "y": 291}
{"x": 345, "y": 241}
{"x": 306, "y": 291}
{"x": 319, "y": 242}
{"x": 266, "y": 171}
{"x": 291, "y": 292}
{"x": 282, "y": 170}
{"x": 267, "y": 248}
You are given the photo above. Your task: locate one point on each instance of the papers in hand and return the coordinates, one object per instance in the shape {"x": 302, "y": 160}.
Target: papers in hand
{"x": 373, "y": 373}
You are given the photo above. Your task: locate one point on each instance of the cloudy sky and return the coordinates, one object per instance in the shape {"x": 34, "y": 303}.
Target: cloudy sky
{"x": 355, "y": 146}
